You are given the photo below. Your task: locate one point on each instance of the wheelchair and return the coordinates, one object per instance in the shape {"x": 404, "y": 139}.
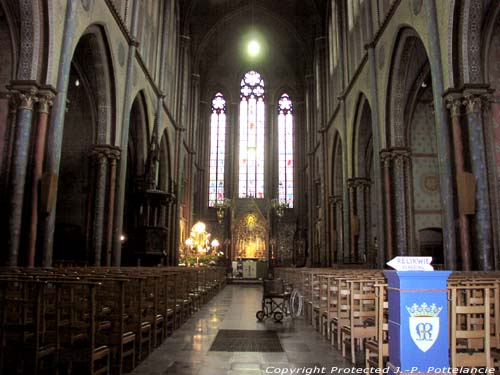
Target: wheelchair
{"x": 275, "y": 301}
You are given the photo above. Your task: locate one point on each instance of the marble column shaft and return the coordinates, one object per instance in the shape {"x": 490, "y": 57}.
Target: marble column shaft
{"x": 484, "y": 253}
{"x": 351, "y": 187}
{"x": 113, "y": 156}
{"x": 339, "y": 230}
{"x": 44, "y": 104}
{"x": 26, "y": 97}
{"x": 454, "y": 105}
{"x": 386, "y": 157}
{"x": 400, "y": 158}
{"x": 100, "y": 158}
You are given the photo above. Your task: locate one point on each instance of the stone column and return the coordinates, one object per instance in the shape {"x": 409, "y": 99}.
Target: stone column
{"x": 25, "y": 96}
{"x": 454, "y": 104}
{"x": 473, "y": 100}
{"x": 400, "y": 164}
{"x": 338, "y": 227}
{"x": 353, "y": 220}
{"x": 99, "y": 153}
{"x": 113, "y": 157}
{"x": 385, "y": 157}
{"x": 44, "y": 103}
{"x": 363, "y": 192}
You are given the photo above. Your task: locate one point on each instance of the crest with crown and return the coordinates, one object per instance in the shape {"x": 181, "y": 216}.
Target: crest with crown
{"x": 424, "y": 310}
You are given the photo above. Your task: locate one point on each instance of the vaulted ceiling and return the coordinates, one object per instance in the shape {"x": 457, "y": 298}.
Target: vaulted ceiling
{"x": 220, "y": 29}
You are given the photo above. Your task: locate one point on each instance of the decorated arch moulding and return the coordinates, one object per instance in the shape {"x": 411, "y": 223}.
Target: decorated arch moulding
{"x": 451, "y": 21}
{"x": 30, "y": 39}
{"x": 472, "y": 18}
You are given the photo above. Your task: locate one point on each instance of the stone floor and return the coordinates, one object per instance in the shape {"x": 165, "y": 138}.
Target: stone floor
{"x": 187, "y": 350}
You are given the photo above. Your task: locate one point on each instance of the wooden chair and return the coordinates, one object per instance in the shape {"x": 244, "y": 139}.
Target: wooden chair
{"x": 361, "y": 322}
{"x": 470, "y": 325}
{"x": 377, "y": 349}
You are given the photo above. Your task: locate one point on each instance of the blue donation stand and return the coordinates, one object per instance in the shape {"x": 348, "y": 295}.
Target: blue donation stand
{"x": 418, "y": 320}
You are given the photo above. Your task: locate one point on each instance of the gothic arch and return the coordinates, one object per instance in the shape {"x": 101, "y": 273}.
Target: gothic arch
{"x": 93, "y": 55}
{"x": 414, "y": 168}
{"x": 362, "y": 183}
{"x": 491, "y": 67}
{"x": 362, "y": 139}
{"x": 336, "y": 205}
{"x": 88, "y": 123}
{"x": 135, "y": 181}
{"x": 409, "y": 57}
{"x": 138, "y": 137}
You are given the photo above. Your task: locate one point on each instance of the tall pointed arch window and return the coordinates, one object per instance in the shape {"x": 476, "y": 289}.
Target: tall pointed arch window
{"x": 252, "y": 132}
{"x": 217, "y": 150}
{"x": 285, "y": 150}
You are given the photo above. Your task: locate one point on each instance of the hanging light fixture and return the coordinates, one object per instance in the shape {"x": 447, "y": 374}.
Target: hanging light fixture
{"x": 253, "y": 47}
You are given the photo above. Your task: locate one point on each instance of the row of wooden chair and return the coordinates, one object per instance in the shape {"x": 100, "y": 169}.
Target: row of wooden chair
{"x": 94, "y": 320}
{"x": 350, "y": 308}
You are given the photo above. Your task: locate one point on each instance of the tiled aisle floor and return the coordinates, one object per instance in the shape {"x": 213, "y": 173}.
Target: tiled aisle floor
{"x": 187, "y": 350}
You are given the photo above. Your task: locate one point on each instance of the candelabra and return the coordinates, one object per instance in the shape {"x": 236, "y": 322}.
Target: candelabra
{"x": 198, "y": 244}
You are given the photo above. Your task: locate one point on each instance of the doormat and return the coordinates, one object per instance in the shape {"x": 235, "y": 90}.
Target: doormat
{"x": 234, "y": 340}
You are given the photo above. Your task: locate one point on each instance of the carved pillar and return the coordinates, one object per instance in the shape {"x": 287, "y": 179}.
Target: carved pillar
{"x": 400, "y": 165}
{"x": 473, "y": 100}
{"x": 44, "y": 103}
{"x": 113, "y": 155}
{"x": 99, "y": 153}
{"x": 332, "y": 240}
{"x": 454, "y": 104}
{"x": 363, "y": 208}
{"x": 338, "y": 229}
{"x": 385, "y": 157}
{"x": 25, "y": 95}
{"x": 353, "y": 220}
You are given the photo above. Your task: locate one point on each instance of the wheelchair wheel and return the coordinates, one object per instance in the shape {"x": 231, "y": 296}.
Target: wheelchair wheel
{"x": 278, "y": 316}
{"x": 260, "y": 315}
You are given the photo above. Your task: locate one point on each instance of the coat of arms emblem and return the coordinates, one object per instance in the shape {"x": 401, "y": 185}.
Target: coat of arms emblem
{"x": 424, "y": 324}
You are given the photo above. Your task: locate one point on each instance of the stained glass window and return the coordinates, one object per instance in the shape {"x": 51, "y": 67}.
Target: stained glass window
{"x": 285, "y": 150}
{"x": 252, "y": 129}
{"x": 217, "y": 150}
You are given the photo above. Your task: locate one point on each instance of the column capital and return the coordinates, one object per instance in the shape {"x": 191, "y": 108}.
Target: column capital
{"x": 474, "y": 102}
{"x": 45, "y": 98}
{"x": 337, "y": 200}
{"x": 356, "y": 182}
{"x": 103, "y": 152}
{"x": 454, "y": 103}
{"x": 23, "y": 93}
